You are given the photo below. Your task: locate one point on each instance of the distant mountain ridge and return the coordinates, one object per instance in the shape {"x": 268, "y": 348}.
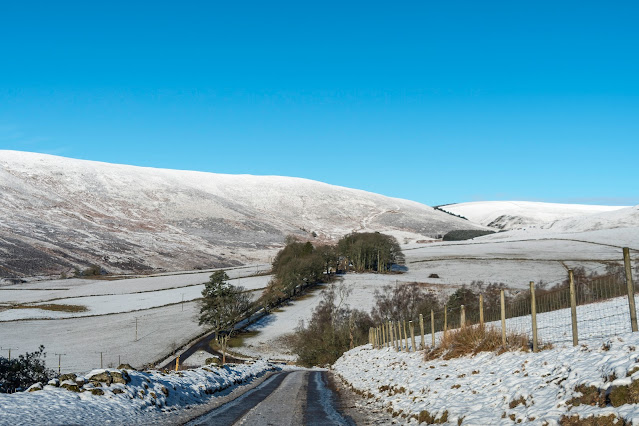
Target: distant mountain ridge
{"x": 511, "y": 215}
{"x": 57, "y": 214}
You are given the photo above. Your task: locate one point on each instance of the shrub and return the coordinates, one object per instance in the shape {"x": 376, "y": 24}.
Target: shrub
{"x": 23, "y": 371}
{"x": 402, "y": 302}
{"x": 332, "y": 330}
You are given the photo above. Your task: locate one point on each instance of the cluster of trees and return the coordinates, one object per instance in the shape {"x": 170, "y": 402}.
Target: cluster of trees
{"x": 297, "y": 266}
{"x": 301, "y": 264}
{"x": 465, "y": 234}
{"x": 370, "y": 251}
{"x": 21, "y": 372}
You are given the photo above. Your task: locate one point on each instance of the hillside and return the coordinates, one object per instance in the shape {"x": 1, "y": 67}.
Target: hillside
{"x": 509, "y": 215}
{"x": 58, "y": 214}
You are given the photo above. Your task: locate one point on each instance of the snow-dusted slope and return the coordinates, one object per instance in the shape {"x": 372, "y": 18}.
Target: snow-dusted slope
{"x": 623, "y": 218}
{"x": 58, "y": 213}
{"x": 522, "y": 214}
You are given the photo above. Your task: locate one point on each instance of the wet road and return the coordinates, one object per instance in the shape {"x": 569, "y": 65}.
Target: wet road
{"x": 286, "y": 398}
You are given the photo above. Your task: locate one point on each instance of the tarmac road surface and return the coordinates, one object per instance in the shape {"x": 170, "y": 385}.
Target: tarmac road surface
{"x": 298, "y": 397}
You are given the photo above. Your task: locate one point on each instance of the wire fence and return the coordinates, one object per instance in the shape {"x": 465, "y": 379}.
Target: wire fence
{"x": 598, "y": 302}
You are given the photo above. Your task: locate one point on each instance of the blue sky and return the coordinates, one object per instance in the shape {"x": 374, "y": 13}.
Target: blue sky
{"x": 437, "y": 102}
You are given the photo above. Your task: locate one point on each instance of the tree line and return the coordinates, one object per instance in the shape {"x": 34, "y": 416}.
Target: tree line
{"x": 300, "y": 265}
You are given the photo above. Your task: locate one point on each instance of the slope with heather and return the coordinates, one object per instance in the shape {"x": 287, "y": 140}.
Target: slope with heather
{"x": 58, "y": 214}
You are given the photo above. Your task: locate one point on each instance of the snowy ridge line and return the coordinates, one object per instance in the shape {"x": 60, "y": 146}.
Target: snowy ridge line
{"x": 194, "y": 220}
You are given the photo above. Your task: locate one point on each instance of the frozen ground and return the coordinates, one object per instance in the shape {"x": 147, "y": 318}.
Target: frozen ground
{"x": 108, "y": 297}
{"x": 148, "y": 398}
{"x": 487, "y": 388}
{"x": 81, "y": 339}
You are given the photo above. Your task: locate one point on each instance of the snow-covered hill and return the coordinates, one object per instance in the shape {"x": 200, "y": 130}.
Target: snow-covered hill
{"x": 58, "y": 213}
{"x": 523, "y": 214}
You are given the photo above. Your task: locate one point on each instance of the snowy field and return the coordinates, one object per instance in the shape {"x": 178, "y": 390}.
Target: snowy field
{"x": 109, "y": 297}
{"x": 108, "y": 326}
{"x": 81, "y": 339}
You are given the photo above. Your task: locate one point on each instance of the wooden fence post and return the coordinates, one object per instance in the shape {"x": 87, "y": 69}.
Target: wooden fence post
{"x": 385, "y": 336}
{"x": 412, "y": 335}
{"x": 533, "y": 311}
{"x": 421, "y": 329}
{"x": 481, "y": 309}
{"x": 502, "y": 298}
{"x": 399, "y": 336}
{"x": 445, "y": 320}
{"x": 432, "y": 327}
{"x": 573, "y": 308}
{"x": 462, "y": 316}
{"x": 392, "y": 326}
{"x": 631, "y": 289}
{"x": 406, "y": 337}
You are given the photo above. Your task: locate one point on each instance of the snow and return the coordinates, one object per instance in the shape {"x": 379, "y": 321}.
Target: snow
{"x": 479, "y": 389}
{"x": 130, "y": 219}
{"x": 523, "y": 214}
{"x": 143, "y": 400}
{"x": 109, "y": 297}
{"x": 81, "y": 339}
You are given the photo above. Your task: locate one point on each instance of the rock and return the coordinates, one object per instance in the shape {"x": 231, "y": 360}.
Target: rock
{"x": 120, "y": 377}
{"x": 54, "y": 382}
{"x": 68, "y": 376}
{"x": 80, "y": 381}
{"x": 97, "y": 391}
{"x": 164, "y": 390}
{"x": 104, "y": 377}
{"x": 35, "y": 387}
{"x": 70, "y": 385}
{"x": 118, "y": 391}
{"x": 126, "y": 367}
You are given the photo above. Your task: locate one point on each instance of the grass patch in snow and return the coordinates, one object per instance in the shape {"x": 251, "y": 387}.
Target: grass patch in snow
{"x": 53, "y": 307}
{"x": 473, "y": 339}
{"x": 237, "y": 341}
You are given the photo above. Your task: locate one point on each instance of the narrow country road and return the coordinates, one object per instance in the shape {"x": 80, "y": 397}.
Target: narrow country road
{"x": 286, "y": 398}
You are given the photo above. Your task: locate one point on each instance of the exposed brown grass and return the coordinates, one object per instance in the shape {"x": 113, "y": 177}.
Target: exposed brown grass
{"x": 53, "y": 307}
{"x": 603, "y": 420}
{"x": 473, "y": 339}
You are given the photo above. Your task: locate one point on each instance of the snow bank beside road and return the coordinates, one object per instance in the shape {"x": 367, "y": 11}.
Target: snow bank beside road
{"x": 492, "y": 389}
{"x": 147, "y": 398}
